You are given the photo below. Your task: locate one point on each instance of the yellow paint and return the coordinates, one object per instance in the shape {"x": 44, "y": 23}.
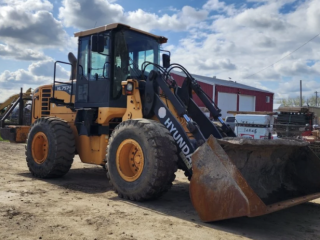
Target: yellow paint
{"x": 106, "y": 114}
{"x": 95, "y": 143}
{"x": 63, "y": 96}
{"x": 38, "y": 99}
{"x": 175, "y": 114}
{"x": 55, "y": 111}
{"x": 69, "y": 117}
{"x": 134, "y": 106}
{"x": 40, "y": 147}
{"x": 62, "y": 111}
{"x": 92, "y": 149}
{"x": 129, "y": 160}
{"x": 21, "y": 133}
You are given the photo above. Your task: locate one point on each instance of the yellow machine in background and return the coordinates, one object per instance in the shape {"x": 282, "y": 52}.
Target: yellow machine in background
{"x": 9, "y": 101}
{"x": 15, "y": 117}
{"x": 122, "y": 110}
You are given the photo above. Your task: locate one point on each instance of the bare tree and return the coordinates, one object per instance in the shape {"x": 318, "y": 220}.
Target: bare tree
{"x": 295, "y": 102}
{"x": 312, "y": 101}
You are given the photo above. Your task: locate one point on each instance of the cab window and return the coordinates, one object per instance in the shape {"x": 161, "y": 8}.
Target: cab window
{"x": 100, "y": 61}
{"x": 83, "y": 57}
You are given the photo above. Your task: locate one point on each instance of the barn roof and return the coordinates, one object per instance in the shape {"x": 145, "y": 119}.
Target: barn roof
{"x": 221, "y": 82}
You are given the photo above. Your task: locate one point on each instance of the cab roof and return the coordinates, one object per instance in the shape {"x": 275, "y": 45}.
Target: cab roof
{"x": 114, "y": 26}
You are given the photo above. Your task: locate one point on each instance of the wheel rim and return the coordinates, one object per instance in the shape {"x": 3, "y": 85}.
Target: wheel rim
{"x": 40, "y": 147}
{"x": 130, "y": 160}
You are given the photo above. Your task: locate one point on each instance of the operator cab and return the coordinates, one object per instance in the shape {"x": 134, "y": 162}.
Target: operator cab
{"x": 107, "y": 56}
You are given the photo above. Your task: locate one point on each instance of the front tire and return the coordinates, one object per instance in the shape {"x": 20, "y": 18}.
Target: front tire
{"x": 50, "y": 148}
{"x": 141, "y": 159}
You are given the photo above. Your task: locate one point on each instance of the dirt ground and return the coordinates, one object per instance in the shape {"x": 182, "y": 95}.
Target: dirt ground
{"x": 83, "y": 206}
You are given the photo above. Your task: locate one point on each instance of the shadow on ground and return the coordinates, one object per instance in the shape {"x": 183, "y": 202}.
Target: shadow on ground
{"x": 88, "y": 180}
{"x": 299, "y": 222}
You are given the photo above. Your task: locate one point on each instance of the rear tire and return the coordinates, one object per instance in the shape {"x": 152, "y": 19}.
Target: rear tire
{"x": 152, "y": 156}
{"x": 50, "y": 148}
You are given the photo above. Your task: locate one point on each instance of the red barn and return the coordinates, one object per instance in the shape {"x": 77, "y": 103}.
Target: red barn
{"x": 229, "y": 95}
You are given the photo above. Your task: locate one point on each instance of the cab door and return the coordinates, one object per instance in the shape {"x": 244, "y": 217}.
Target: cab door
{"x": 93, "y": 74}
{"x": 99, "y": 75}
{"x": 82, "y": 85}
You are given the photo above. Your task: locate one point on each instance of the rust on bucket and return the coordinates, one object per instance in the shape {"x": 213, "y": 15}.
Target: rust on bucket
{"x": 241, "y": 177}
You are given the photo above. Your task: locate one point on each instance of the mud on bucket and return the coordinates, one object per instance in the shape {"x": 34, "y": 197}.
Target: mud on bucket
{"x": 236, "y": 177}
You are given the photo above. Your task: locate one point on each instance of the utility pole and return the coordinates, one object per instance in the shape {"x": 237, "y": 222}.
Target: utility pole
{"x": 316, "y": 98}
{"x": 300, "y": 93}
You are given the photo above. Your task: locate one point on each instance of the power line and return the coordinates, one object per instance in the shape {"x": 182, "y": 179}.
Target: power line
{"x": 284, "y": 56}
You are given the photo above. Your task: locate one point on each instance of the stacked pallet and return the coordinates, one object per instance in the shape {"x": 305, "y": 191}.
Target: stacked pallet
{"x": 292, "y": 124}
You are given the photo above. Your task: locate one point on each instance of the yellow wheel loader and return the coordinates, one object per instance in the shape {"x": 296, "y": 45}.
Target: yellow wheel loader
{"x": 124, "y": 111}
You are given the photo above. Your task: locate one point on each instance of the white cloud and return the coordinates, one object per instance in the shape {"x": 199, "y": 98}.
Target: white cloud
{"x": 250, "y": 39}
{"x": 38, "y": 73}
{"x": 30, "y": 23}
{"x": 216, "y": 5}
{"x": 29, "y": 5}
{"x": 20, "y": 53}
{"x": 172, "y": 9}
{"x": 313, "y": 16}
{"x": 21, "y": 76}
{"x": 84, "y": 14}
{"x": 80, "y": 14}
{"x": 292, "y": 88}
{"x": 38, "y": 29}
{"x": 180, "y": 21}
{"x": 259, "y": 18}
{"x": 46, "y": 68}
{"x": 292, "y": 68}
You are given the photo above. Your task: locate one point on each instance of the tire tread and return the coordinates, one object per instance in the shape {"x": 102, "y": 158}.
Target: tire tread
{"x": 63, "y": 144}
{"x": 164, "y": 151}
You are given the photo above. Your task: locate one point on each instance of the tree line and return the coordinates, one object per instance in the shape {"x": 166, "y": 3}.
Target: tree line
{"x": 295, "y": 102}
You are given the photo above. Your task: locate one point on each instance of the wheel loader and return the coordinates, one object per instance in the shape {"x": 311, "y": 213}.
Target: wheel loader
{"x": 123, "y": 110}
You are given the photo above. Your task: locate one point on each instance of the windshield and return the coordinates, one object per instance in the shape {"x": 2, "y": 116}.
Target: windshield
{"x": 131, "y": 50}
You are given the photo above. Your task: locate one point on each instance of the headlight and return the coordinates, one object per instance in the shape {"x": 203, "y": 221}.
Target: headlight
{"x": 129, "y": 87}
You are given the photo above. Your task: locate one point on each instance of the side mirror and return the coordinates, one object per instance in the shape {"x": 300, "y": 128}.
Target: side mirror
{"x": 165, "y": 60}
{"x": 97, "y": 43}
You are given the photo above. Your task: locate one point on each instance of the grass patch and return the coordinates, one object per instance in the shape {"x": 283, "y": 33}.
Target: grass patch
{"x": 2, "y": 140}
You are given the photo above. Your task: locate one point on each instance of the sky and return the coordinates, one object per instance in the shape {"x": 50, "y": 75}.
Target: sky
{"x": 264, "y": 44}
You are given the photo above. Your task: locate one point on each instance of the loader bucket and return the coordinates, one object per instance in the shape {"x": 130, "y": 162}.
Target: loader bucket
{"x": 236, "y": 177}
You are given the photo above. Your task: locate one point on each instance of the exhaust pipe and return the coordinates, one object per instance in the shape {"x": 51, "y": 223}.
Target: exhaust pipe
{"x": 73, "y": 62}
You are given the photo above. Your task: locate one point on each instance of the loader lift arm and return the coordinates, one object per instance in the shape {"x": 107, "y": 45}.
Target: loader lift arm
{"x": 214, "y": 110}
{"x": 186, "y": 108}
